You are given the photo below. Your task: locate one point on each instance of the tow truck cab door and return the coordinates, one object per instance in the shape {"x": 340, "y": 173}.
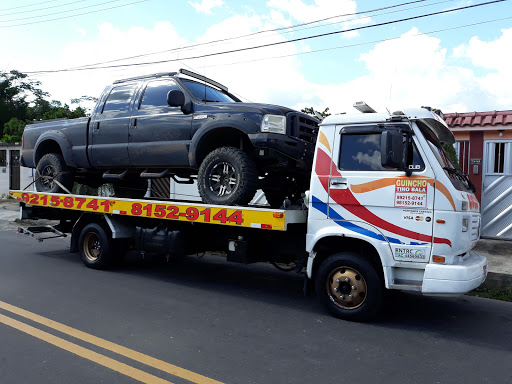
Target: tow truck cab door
{"x": 371, "y": 195}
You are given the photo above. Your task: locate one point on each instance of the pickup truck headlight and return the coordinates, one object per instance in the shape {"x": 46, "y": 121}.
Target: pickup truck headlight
{"x": 274, "y": 124}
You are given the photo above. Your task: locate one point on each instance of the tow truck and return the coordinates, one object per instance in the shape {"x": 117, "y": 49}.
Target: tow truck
{"x": 386, "y": 210}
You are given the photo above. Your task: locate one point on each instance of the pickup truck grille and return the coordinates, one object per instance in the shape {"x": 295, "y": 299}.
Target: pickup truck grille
{"x": 303, "y": 127}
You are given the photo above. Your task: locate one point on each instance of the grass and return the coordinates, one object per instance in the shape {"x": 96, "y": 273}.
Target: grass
{"x": 496, "y": 294}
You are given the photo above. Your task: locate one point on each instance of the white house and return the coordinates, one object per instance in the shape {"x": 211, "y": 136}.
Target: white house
{"x": 12, "y": 175}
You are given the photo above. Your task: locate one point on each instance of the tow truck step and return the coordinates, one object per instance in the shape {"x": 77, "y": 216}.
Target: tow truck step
{"x": 36, "y": 230}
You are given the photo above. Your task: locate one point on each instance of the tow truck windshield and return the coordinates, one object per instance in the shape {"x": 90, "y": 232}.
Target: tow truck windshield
{"x": 457, "y": 178}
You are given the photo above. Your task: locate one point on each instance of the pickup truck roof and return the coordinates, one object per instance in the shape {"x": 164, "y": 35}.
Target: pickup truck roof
{"x": 172, "y": 74}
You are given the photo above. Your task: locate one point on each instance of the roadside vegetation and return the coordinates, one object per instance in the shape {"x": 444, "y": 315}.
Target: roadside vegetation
{"x": 496, "y": 294}
{"x": 22, "y": 102}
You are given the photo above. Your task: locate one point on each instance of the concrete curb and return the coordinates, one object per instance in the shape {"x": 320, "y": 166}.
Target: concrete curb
{"x": 500, "y": 281}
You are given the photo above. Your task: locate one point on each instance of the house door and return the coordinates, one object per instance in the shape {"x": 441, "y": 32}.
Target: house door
{"x": 497, "y": 190}
{"x": 14, "y": 169}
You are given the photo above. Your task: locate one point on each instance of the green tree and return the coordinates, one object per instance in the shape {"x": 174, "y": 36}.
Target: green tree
{"x": 13, "y": 130}
{"x": 311, "y": 111}
{"x": 16, "y": 92}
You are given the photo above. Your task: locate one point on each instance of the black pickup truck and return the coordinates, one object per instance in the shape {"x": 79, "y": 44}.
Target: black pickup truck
{"x": 180, "y": 125}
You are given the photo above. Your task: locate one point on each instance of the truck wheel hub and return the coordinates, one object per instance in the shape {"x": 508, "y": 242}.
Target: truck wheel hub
{"x": 222, "y": 179}
{"x": 346, "y": 288}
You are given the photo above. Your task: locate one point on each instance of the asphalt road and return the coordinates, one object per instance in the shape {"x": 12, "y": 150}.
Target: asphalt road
{"x": 209, "y": 321}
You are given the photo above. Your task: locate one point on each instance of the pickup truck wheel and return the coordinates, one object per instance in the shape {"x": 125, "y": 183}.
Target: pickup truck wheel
{"x": 227, "y": 176}
{"x": 349, "y": 286}
{"x": 50, "y": 168}
{"x": 97, "y": 249}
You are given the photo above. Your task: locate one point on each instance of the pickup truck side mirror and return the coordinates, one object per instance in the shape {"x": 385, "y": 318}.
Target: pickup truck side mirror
{"x": 176, "y": 98}
{"x": 393, "y": 150}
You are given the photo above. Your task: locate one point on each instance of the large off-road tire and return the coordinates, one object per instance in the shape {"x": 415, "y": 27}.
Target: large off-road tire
{"x": 227, "y": 176}
{"x": 349, "y": 286}
{"x": 97, "y": 248}
{"x": 50, "y": 168}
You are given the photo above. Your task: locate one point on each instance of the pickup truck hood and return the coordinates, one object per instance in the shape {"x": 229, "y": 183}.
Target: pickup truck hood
{"x": 263, "y": 108}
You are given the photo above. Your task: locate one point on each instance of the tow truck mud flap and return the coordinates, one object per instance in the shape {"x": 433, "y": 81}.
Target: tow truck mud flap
{"x": 456, "y": 279}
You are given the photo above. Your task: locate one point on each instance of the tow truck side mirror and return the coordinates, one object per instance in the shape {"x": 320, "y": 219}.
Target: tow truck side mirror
{"x": 392, "y": 148}
{"x": 176, "y": 98}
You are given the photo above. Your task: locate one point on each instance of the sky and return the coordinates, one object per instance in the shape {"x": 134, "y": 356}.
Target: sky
{"x": 319, "y": 53}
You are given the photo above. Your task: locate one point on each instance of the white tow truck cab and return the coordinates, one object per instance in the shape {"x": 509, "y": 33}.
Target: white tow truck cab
{"x": 386, "y": 196}
{"x": 386, "y": 209}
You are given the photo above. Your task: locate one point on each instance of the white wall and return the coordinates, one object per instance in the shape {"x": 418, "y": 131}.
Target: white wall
{"x": 26, "y": 174}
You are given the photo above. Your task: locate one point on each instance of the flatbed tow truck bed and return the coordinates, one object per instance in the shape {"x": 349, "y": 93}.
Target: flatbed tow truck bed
{"x": 249, "y": 217}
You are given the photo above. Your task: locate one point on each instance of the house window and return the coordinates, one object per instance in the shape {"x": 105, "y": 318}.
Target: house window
{"x": 3, "y": 158}
{"x": 462, "y": 148}
{"x": 499, "y": 157}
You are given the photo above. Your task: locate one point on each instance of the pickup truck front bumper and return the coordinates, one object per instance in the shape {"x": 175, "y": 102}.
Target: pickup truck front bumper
{"x": 268, "y": 146}
{"x": 466, "y": 274}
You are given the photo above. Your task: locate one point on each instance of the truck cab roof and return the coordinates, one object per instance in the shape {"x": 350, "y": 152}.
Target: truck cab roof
{"x": 428, "y": 118}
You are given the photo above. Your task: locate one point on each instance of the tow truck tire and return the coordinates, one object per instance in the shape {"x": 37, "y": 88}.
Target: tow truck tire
{"x": 227, "y": 176}
{"x": 350, "y": 287}
{"x": 53, "y": 167}
{"x": 97, "y": 248}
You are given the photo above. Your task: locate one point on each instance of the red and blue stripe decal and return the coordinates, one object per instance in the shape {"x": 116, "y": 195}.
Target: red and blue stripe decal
{"x": 345, "y": 199}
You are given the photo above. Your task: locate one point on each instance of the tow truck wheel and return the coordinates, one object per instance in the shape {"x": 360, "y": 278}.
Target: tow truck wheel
{"x": 51, "y": 168}
{"x": 349, "y": 286}
{"x": 96, "y": 247}
{"x": 227, "y": 176}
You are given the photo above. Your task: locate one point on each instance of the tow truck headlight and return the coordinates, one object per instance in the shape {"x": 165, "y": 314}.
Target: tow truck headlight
{"x": 465, "y": 224}
{"x": 273, "y": 124}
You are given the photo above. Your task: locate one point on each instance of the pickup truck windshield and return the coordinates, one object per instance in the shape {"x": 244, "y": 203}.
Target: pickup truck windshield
{"x": 206, "y": 93}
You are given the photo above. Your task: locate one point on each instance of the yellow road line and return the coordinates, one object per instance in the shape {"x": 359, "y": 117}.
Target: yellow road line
{"x": 119, "y": 349}
{"x": 115, "y": 365}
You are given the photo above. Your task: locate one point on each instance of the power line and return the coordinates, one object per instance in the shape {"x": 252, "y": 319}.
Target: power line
{"x": 67, "y": 17}
{"x": 41, "y": 9}
{"x": 58, "y": 13}
{"x": 288, "y": 30}
{"x": 364, "y": 43}
{"x": 29, "y": 5}
{"x": 276, "y": 43}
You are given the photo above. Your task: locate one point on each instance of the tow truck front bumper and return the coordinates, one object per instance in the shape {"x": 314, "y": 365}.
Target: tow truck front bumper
{"x": 466, "y": 274}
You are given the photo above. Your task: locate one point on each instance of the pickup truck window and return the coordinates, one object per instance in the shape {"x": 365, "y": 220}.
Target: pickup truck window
{"x": 155, "y": 95}
{"x": 362, "y": 153}
{"x": 206, "y": 93}
{"x": 119, "y": 98}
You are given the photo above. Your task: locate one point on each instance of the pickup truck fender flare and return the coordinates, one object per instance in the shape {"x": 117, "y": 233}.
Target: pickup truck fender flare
{"x": 333, "y": 232}
{"x": 48, "y": 138}
{"x": 238, "y": 126}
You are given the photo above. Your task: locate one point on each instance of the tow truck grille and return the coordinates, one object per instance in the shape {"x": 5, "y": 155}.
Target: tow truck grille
{"x": 303, "y": 127}
{"x": 475, "y": 227}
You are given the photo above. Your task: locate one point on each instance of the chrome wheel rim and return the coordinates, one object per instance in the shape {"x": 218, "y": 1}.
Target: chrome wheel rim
{"x": 346, "y": 288}
{"x": 47, "y": 176}
{"x": 223, "y": 179}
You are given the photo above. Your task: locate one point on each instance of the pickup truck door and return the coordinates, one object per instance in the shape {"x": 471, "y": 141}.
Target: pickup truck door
{"x": 382, "y": 204}
{"x": 109, "y": 129}
{"x": 159, "y": 135}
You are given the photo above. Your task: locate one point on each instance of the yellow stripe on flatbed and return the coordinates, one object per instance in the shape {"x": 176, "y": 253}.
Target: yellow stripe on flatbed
{"x": 273, "y": 219}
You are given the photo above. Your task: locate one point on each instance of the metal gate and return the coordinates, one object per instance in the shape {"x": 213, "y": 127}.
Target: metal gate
{"x": 497, "y": 190}
{"x": 14, "y": 170}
